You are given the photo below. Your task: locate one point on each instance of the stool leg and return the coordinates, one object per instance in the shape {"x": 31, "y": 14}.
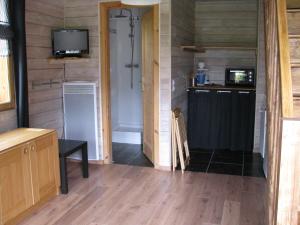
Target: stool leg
{"x": 85, "y": 163}
{"x": 63, "y": 175}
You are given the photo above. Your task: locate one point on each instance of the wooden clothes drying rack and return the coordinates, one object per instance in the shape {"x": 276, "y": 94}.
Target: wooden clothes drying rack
{"x": 180, "y": 147}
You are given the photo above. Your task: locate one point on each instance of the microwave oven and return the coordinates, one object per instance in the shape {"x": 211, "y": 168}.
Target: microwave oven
{"x": 240, "y": 77}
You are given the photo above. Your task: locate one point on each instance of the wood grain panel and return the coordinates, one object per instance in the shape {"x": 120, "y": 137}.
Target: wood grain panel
{"x": 46, "y": 9}
{"x": 293, "y": 25}
{"x": 42, "y": 19}
{"x": 274, "y": 111}
{"x": 45, "y": 102}
{"x": 81, "y": 11}
{"x": 183, "y": 32}
{"x": 296, "y": 81}
{"x": 293, "y": 4}
{"x": 231, "y": 22}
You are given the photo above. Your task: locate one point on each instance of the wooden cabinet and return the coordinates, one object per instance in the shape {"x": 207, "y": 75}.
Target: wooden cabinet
{"x": 16, "y": 195}
{"x": 29, "y": 172}
{"x": 221, "y": 119}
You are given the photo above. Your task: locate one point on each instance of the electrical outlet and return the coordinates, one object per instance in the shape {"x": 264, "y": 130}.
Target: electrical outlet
{"x": 173, "y": 85}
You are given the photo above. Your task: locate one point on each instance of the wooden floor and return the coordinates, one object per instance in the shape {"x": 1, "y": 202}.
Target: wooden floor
{"x": 128, "y": 195}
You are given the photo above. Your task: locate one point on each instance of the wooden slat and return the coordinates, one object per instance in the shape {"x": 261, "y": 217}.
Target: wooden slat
{"x": 274, "y": 111}
{"x": 68, "y": 60}
{"x": 297, "y": 106}
{"x": 284, "y": 58}
{"x": 296, "y": 81}
{"x": 293, "y": 25}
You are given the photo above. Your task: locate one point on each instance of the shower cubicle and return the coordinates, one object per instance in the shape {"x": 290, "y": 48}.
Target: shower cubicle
{"x": 125, "y": 75}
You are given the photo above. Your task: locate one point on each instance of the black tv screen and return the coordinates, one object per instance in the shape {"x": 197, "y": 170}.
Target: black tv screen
{"x": 70, "y": 42}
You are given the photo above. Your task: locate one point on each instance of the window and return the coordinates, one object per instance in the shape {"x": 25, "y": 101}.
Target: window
{"x": 7, "y": 100}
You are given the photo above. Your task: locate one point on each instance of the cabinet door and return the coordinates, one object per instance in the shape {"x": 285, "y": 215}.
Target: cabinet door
{"x": 15, "y": 182}
{"x": 43, "y": 155}
{"x": 243, "y": 115}
{"x": 199, "y": 119}
{"x": 221, "y": 119}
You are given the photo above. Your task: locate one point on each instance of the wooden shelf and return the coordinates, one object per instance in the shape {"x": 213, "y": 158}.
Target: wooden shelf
{"x": 296, "y": 10}
{"x": 201, "y": 49}
{"x": 192, "y": 48}
{"x": 67, "y": 60}
{"x": 295, "y": 63}
{"x": 294, "y": 36}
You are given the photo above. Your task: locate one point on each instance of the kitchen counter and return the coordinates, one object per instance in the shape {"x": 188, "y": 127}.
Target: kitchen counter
{"x": 221, "y": 87}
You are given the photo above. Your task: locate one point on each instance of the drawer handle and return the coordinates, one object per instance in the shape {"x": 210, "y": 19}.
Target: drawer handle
{"x": 223, "y": 91}
{"x": 25, "y": 150}
{"x": 198, "y": 91}
{"x": 244, "y": 92}
{"x": 32, "y": 148}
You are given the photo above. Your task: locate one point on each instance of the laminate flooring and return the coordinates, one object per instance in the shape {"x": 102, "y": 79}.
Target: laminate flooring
{"x": 131, "y": 195}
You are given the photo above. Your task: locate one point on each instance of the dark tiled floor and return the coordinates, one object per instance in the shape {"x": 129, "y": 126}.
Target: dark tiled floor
{"x": 129, "y": 154}
{"x": 226, "y": 162}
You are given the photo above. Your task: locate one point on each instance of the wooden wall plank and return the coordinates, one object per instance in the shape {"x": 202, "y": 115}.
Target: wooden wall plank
{"x": 229, "y": 22}
{"x": 183, "y": 32}
{"x": 45, "y": 102}
{"x": 273, "y": 110}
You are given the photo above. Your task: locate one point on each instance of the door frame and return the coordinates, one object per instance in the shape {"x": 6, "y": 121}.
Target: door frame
{"x": 105, "y": 78}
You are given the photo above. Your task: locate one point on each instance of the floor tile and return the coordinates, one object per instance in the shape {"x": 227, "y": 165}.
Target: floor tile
{"x": 231, "y": 169}
{"x": 226, "y": 156}
{"x": 200, "y": 167}
{"x": 129, "y": 154}
{"x": 253, "y": 170}
{"x": 253, "y": 158}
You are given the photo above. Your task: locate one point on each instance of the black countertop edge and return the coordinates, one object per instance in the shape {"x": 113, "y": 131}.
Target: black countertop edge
{"x": 220, "y": 87}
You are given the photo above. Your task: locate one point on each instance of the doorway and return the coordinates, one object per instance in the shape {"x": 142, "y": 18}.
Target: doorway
{"x": 129, "y": 87}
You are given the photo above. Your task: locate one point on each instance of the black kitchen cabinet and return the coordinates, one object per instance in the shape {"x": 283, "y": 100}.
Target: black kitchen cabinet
{"x": 243, "y": 117}
{"x": 221, "y": 119}
{"x": 199, "y": 118}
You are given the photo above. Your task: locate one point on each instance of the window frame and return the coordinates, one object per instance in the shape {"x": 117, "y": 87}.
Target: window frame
{"x": 12, "y": 103}
{"x": 7, "y": 29}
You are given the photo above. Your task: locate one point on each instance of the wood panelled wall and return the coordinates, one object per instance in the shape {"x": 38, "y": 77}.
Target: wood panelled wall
{"x": 183, "y": 33}
{"x": 227, "y": 22}
{"x": 8, "y": 120}
{"x": 84, "y": 14}
{"x": 45, "y": 101}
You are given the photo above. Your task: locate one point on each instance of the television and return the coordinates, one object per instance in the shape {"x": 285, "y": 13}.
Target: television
{"x": 70, "y": 42}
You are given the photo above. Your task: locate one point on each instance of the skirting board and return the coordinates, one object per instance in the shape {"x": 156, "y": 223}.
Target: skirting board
{"x": 163, "y": 168}
{"x": 97, "y": 162}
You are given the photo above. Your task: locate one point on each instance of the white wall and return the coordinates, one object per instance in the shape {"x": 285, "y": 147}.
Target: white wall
{"x": 126, "y": 101}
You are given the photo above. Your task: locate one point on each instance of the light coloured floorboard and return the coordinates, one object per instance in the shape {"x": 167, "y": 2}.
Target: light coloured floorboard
{"x": 127, "y": 195}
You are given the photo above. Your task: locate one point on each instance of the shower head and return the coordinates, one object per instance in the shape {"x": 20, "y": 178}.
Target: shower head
{"x": 121, "y": 15}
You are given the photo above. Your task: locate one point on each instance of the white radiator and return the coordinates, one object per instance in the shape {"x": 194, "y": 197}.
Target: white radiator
{"x": 80, "y": 116}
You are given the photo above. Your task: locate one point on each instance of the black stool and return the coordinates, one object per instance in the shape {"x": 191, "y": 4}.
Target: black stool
{"x": 66, "y": 148}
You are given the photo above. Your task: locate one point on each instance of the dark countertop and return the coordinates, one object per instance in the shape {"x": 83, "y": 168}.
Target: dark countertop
{"x": 221, "y": 87}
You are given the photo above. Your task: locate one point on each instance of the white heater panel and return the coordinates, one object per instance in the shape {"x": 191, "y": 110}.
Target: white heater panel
{"x": 80, "y": 116}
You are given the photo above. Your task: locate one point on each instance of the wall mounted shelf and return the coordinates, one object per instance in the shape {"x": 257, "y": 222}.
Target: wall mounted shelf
{"x": 67, "y": 60}
{"x": 202, "y": 49}
{"x": 294, "y": 36}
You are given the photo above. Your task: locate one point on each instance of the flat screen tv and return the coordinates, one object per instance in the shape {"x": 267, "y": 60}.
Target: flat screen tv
{"x": 70, "y": 42}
